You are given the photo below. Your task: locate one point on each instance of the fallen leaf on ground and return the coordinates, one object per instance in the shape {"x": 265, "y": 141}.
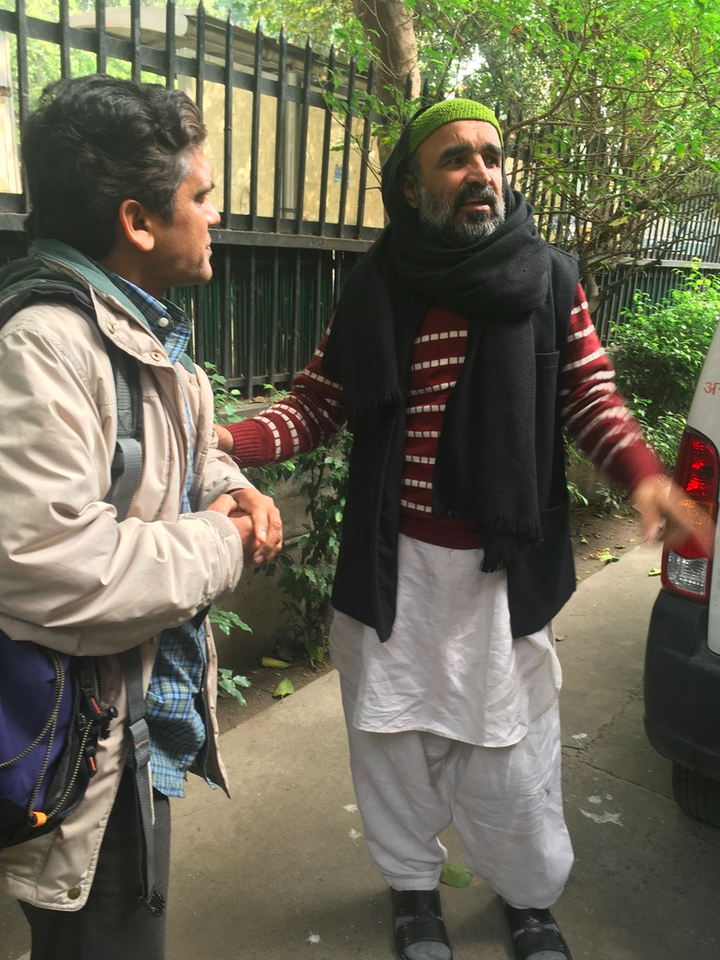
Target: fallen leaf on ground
{"x": 455, "y": 875}
{"x": 284, "y": 689}
{"x": 603, "y": 817}
{"x": 271, "y": 662}
{"x": 607, "y": 557}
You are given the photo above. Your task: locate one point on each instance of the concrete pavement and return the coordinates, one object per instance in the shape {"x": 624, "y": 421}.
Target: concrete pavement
{"x": 282, "y": 871}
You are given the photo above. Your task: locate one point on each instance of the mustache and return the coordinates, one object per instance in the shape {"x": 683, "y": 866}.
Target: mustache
{"x": 475, "y": 191}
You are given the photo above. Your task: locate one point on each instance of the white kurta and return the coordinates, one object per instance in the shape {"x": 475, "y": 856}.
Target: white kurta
{"x": 450, "y": 666}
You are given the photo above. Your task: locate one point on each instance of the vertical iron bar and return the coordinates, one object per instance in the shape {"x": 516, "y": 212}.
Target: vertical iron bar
{"x": 251, "y": 324}
{"x": 227, "y": 151}
{"x": 275, "y": 319}
{"x": 101, "y": 30}
{"x": 22, "y": 58}
{"x": 295, "y": 315}
{"x": 649, "y": 248}
{"x": 715, "y": 249}
{"x": 339, "y": 279}
{"x": 170, "y": 45}
{"x": 329, "y": 86}
{"x": 304, "y": 119}
{"x": 345, "y": 174}
{"x": 135, "y": 40}
{"x": 23, "y": 84}
{"x": 65, "y": 69}
{"x": 279, "y": 133}
{"x": 320, "y": 320}
{"x": 365, "y": 155}
{"x": 655, "y": 285}
{"x": 255, "y": 136}
{"x": 225, "y": 319}
{"x": 700, "y": 229}
{"x": 200, "y": 57}
{"x": 705, "y": 231}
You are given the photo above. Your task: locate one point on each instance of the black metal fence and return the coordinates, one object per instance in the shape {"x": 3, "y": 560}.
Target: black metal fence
{"x": 292, "y": 146}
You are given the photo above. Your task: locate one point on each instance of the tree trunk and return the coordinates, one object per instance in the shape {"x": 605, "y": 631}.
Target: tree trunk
{"x": 390, "y": 29}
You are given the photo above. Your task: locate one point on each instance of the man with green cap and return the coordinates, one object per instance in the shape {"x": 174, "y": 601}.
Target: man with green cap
{"x": 460, "y": 346}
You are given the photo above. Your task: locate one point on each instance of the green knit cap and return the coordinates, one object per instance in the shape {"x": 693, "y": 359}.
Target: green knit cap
{"x": 445, "y": 112}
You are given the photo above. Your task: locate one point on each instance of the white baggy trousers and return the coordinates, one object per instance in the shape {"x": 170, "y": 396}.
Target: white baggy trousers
{"x": 504, "y": 802}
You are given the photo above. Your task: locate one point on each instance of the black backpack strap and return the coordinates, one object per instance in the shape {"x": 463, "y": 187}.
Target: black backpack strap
{"x": 140, "y": 764}
{"x": 127, "y": 462}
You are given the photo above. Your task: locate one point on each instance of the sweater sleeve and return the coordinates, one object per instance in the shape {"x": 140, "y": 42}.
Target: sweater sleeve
{"x": 592, "y": 409}
{"x": 306, "y": 418}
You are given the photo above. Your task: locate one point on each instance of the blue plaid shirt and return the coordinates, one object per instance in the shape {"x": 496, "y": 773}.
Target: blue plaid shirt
{"x": 175, "y": 706}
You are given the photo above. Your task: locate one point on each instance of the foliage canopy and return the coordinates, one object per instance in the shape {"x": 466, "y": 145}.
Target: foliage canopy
{"x": 614, "y": 103}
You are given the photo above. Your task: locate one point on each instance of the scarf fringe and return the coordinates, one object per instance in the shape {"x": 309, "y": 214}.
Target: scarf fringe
{"x": 518, "y": 526}
{"x": 497, "y": 556}
{"x": 510, "y": 525}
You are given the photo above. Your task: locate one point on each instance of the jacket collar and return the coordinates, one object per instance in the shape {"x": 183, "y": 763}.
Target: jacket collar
{"x": 60, "y": 256}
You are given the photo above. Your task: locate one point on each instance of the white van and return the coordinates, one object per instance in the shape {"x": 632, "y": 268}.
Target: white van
{"x": 682, "y": 663}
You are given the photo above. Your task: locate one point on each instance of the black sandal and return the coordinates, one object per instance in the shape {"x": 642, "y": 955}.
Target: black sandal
{"x": 534, "y": 932}
{"x": 417, "y": 918}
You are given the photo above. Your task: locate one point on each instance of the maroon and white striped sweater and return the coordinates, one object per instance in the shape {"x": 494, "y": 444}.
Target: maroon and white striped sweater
{"x": 592, "y": 410}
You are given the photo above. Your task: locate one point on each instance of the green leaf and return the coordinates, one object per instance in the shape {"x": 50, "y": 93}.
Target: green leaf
{"x": 277, "y": 664}
{"x": 284, "y": 689}
{"x": 655, "y": 572}
{"x": 229, "y": 685}
{"x": 607, "y": 557}
{"x": 455, "y": 875}
{"x": 226, "y": 620}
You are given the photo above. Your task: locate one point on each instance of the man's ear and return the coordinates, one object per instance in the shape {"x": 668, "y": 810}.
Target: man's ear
{"x": 409, "y": 189}
{"x": 136, "y": 225}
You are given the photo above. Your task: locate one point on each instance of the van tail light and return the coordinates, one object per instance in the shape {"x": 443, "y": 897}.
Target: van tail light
{"x": 686, "y": 570}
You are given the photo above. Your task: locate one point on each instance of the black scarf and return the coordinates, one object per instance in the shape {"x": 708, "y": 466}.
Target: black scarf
{"x": 486, "y": 465}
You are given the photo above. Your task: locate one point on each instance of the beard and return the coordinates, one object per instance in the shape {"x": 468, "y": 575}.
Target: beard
{"x": 439, "y": 216}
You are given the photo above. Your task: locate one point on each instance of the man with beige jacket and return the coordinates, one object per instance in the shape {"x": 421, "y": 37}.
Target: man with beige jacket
{"x": 120, "y": 197}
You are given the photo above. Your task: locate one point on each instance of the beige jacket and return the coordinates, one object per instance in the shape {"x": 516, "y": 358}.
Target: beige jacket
{"x": 72, "y": 577}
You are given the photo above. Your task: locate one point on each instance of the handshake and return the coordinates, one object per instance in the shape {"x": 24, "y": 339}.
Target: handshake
{"x": 256, "y": 519}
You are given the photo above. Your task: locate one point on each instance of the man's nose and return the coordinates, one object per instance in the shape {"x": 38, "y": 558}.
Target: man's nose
{"x": 213, "y": 216}
{"x": 478, "y": 172}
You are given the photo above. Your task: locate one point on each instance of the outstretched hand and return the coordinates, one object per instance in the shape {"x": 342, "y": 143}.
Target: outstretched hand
{"x": 669, "y": 514}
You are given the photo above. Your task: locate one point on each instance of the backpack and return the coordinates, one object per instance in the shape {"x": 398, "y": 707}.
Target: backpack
{"x": 50, "y": 721}
{"x": 50, "y": 726}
